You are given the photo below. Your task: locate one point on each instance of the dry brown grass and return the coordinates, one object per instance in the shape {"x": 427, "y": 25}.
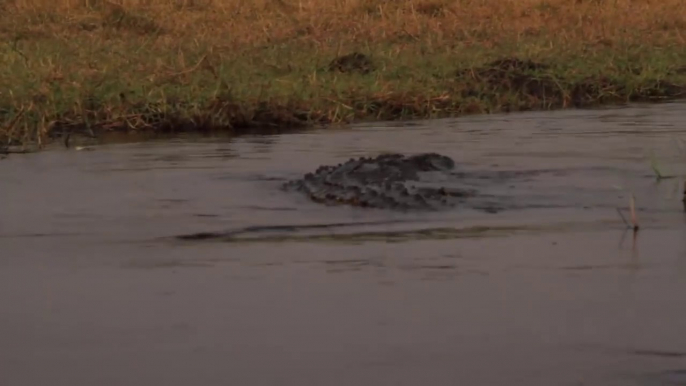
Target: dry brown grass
{"x": 324, "y": 22}
{"x": 227, "y": 63}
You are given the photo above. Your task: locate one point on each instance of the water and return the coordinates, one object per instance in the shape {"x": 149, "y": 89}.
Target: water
{"x": 97, "y": 288}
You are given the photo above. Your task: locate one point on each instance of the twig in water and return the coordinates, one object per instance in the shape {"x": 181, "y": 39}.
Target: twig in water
{"x": 632, "y": 210}
{"x": 632, "y": 207}
{"x": 619, "y": 211}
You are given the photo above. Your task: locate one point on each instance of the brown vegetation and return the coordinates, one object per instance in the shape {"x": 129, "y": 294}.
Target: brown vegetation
{"x": 198, "y": 65}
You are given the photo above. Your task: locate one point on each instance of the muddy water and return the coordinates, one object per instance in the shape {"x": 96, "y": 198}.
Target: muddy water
{"x": 96, "y": 288}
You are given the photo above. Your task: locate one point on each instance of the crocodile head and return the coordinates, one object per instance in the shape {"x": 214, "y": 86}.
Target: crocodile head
{"x": 388, "y": 181}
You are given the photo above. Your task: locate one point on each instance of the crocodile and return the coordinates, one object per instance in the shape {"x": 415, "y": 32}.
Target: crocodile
{"x": 388, "y": 181}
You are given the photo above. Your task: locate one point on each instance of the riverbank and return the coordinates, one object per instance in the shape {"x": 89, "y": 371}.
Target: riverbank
{"x": 233, "y": 67}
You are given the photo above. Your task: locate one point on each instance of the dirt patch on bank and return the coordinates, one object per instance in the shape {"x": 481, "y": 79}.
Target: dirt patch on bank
{"x": 540, "y": 85}
{"x": 354, "y": 62}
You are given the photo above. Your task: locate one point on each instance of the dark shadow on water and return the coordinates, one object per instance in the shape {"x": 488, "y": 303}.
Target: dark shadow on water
{"x": 299, "y": 233}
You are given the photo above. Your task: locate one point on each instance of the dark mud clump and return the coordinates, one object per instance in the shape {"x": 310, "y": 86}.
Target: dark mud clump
{"x": 118, "y": 18}
{"x": 388, "y": 181}
{"x": 523, "y": 76}
{"x": 532, "y": 84}
{"x": 354, "y": 62}
{"x": 514, "y": 64}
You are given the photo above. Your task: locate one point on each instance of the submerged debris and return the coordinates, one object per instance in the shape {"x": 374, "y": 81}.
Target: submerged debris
{"x": 354, "y": 62}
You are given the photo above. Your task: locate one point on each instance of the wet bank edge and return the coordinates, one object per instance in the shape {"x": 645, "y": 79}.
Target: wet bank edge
{"x": 504, "y": 85}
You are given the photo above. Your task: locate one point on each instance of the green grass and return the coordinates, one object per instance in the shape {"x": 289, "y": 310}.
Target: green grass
{"x": 92, "y": 71}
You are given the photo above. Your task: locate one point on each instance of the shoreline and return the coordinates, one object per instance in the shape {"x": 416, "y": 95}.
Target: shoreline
{"x": 264, "y": 67}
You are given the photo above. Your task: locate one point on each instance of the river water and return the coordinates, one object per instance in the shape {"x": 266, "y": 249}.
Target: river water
{"x": 97, "y": 287}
